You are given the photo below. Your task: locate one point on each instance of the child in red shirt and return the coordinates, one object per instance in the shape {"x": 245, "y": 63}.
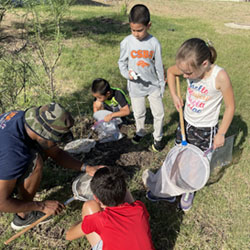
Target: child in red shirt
{"x": 109, "y": 222}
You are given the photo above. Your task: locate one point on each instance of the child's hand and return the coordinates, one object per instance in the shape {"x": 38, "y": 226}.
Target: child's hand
{"x": 132, "y": 75}
{"x": 97, "y": 105}
{"x": 178, "y": 102}
{"x": 108, "y": 117}
{"x": 219, "y": 141}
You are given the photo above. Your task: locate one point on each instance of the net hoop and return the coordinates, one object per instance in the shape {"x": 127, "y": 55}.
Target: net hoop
{"x": 184, "y": 170}
{"x": 81, "y": 187}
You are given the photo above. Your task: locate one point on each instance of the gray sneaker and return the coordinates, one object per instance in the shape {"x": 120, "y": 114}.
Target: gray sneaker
{"x": 20, "y": 223}
{"x": 186, "y": 201}
{"x": 154, "y": 198}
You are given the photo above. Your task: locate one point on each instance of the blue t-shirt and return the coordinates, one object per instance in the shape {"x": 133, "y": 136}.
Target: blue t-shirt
{"x": 15, "y": 146}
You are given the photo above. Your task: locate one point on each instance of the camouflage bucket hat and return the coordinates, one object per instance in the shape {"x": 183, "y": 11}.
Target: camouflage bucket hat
{"x": 51, "y": 122}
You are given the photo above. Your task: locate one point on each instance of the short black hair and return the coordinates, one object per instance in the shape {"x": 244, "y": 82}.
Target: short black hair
{"x": 109, "y": 186}
{"x": 100, "y": 86}
{"x": 139, "y": 14}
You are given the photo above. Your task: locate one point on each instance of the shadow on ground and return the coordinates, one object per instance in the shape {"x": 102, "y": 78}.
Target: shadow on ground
{"x": 90, "y": 3}
{"x": 240, "y": 130}
{"x": 95, "y": 28}
{"x": 165, "y": 221}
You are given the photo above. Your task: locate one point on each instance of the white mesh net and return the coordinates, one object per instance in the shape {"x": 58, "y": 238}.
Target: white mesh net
{"x": 80, "y": 146}
{"x": 185, "y": 169}
{"x": 81, "y": 188}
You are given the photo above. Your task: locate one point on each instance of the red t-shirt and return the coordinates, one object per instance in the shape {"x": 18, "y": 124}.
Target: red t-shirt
{"x": 124, "y": 227}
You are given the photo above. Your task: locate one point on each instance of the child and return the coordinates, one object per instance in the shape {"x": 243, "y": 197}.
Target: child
{"x": 108, "y": 221}
{"x": 140, "y": 63}
{"x": 112, "y": 99}
{"x": 208, "y": 84}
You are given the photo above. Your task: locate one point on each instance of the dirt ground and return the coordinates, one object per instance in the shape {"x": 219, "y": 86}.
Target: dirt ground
{"x": 123, "y": 153}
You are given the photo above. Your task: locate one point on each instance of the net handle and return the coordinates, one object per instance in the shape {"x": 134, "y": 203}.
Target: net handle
{"x": 34, "y": 224}
{"x": 183, "y": 136}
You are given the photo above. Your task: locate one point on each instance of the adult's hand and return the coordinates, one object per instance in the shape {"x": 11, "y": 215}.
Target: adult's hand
{"x": 50, "y": 207}
{"x": 90, "y": 170}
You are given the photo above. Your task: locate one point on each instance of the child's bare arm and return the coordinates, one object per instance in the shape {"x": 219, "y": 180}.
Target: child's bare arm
{"x": 75, "y": 232}
{"x": 172, "y": 72}
{"x": 124, "y": 111}
{"x": 223, "y": 83}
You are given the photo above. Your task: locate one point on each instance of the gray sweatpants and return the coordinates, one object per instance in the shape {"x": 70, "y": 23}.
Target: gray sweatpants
{"x": 157, "y": 109}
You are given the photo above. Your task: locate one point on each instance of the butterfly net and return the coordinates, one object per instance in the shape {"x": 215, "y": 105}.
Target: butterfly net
{"x": 81, "y": 187}
{"x": 185, "y": 169}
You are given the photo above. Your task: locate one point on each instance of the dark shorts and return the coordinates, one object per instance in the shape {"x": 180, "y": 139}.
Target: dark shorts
{"x": 201, "y": 137}
{"x": 31, "y": 166}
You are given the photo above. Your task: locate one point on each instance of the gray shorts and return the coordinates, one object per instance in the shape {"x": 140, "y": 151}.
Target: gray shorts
{"x": 98, "y": 246}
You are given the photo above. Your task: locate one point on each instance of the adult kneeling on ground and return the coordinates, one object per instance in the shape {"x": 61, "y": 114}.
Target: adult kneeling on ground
{"x": 27, "y": 139}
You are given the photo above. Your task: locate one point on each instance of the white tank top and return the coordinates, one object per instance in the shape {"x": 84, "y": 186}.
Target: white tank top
{"x": 203, "y": 101}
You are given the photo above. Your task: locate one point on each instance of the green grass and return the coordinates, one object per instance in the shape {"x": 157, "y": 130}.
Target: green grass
{"x": 219, "y": 218}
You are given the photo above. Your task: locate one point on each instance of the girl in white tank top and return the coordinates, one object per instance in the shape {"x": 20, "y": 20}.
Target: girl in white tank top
{"x": 208, "y": 85}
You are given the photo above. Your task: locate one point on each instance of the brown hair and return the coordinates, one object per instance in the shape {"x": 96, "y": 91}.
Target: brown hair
{"x": 196, "y": 51}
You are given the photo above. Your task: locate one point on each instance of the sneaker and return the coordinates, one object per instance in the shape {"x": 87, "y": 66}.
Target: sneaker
{"x": 20, "y": 223}
{"x": 157, "y": 146}
{"x": 153, "y": 198}
{"x": 136, "y": 139}
{"x": 126, "y": 121}
{"x": 186, "y": 201}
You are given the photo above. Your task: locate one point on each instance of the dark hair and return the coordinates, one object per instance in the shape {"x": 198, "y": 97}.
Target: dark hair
{"x": 109, "y": 186}
{"x": 100, "y": 86}
{"x": 196, "y": 51}
{"x": 139, "y": 14}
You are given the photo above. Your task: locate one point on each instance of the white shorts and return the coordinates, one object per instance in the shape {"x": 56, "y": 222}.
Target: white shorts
{"x": 98, "y": 246}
